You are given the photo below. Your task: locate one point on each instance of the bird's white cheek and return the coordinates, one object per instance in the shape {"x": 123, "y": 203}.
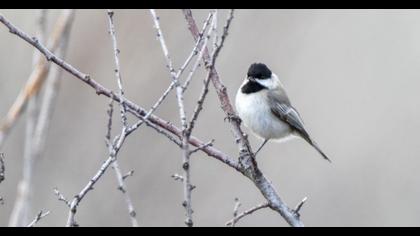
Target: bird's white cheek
{"x": 268, "y": 83}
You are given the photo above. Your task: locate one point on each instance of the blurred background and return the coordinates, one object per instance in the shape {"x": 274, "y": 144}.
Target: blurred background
{"x": 353, "y": 75}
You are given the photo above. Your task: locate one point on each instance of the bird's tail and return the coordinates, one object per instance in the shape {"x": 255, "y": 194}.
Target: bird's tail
{"x": 319, "y": 150}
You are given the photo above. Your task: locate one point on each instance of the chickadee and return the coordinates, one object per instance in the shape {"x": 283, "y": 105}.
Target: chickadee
{"x": 264, "y": 107}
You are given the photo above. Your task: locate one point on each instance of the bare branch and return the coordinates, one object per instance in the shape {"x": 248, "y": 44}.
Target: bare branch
{"x": 233, "y": 221}
{"x": 79, "y": 197}
{"x": 248, "y": 165}
{"x": 38, "y": 217}
{"x": 123, "y": 189}
{"x": 115, "y": 165}
{"x": 182, "y": 115}
{"x": 162, "y": 126}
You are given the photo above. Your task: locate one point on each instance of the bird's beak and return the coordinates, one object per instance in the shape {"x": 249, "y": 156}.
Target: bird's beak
{"x": 251, "y": 79}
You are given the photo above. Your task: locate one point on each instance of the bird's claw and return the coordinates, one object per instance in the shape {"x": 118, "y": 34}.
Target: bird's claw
{"x": 233, "y": 117}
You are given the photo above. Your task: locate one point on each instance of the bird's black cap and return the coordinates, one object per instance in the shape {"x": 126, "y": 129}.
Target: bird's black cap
{"x": 259, "y": 71}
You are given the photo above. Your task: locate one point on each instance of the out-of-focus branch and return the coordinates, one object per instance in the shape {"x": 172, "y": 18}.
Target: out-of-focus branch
{"x": 2, "y": 167}
{"x": 38, "y": 217}
{"x": 38, "y": 117}
{"x": 235, "y": 219}
{"x": 21, "y": 209}
{"x": 38, "y": 75}
{"x": 247, "y": 163}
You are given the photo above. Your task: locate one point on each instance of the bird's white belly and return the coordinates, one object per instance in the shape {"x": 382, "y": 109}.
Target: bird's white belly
{"x": 256, "y": 115}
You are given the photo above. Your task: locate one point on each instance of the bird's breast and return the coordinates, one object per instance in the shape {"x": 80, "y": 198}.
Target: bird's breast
{"x": 256, "y": 114}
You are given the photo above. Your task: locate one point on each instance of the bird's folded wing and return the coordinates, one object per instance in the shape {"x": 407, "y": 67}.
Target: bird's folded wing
{"x": 289, "y": 115}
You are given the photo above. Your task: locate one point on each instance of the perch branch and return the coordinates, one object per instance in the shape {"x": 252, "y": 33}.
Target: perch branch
{"x": 247, "y": 163}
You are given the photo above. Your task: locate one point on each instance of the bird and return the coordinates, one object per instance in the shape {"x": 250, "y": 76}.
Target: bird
{"x": 264, "y": 107}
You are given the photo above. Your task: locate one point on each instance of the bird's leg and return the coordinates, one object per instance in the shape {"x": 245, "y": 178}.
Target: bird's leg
{"x": 262, "y": 145}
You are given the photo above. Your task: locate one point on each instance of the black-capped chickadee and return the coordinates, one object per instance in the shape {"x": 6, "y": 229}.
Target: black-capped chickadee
{"x": 264, "y": 107}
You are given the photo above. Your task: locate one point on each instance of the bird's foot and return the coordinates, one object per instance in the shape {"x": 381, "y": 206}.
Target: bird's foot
{"x": 233, "y": 117}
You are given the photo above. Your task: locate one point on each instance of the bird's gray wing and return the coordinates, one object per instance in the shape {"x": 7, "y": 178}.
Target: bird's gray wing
{"x": 285, "y": 112}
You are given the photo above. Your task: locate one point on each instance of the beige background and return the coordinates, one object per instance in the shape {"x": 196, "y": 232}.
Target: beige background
{"x": 353, "y": 75}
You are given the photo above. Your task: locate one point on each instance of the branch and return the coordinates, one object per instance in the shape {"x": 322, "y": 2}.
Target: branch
{"x": 38, "y": 217}
{"x": 117, "y": 65}
{"x": 255, "y": 175}
{"x": 123, "y": 109}
{"x": 2, "y": 167}
{"x": 233, "y": 221}
{"x": 162, "y": 126}
{"x": 247, "y": 163}
{"x": 182, "y": 115}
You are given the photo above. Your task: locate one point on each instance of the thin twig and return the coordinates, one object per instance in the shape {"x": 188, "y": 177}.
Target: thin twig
{"x": 208, "y": 144}
{"x": 61, "y": 197}
{"x": 178, "y": 177}
{"x": 182, "y": 114}
{"x": 233, "y": 221}
{"x": 117, "y": 65}
{"x": 235, "y": 210}
{"x": 38, "y": 217}
{"x": 299, "y": 206}
{"x": 122, "y": 187}
{"x": 130, "y": 173}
